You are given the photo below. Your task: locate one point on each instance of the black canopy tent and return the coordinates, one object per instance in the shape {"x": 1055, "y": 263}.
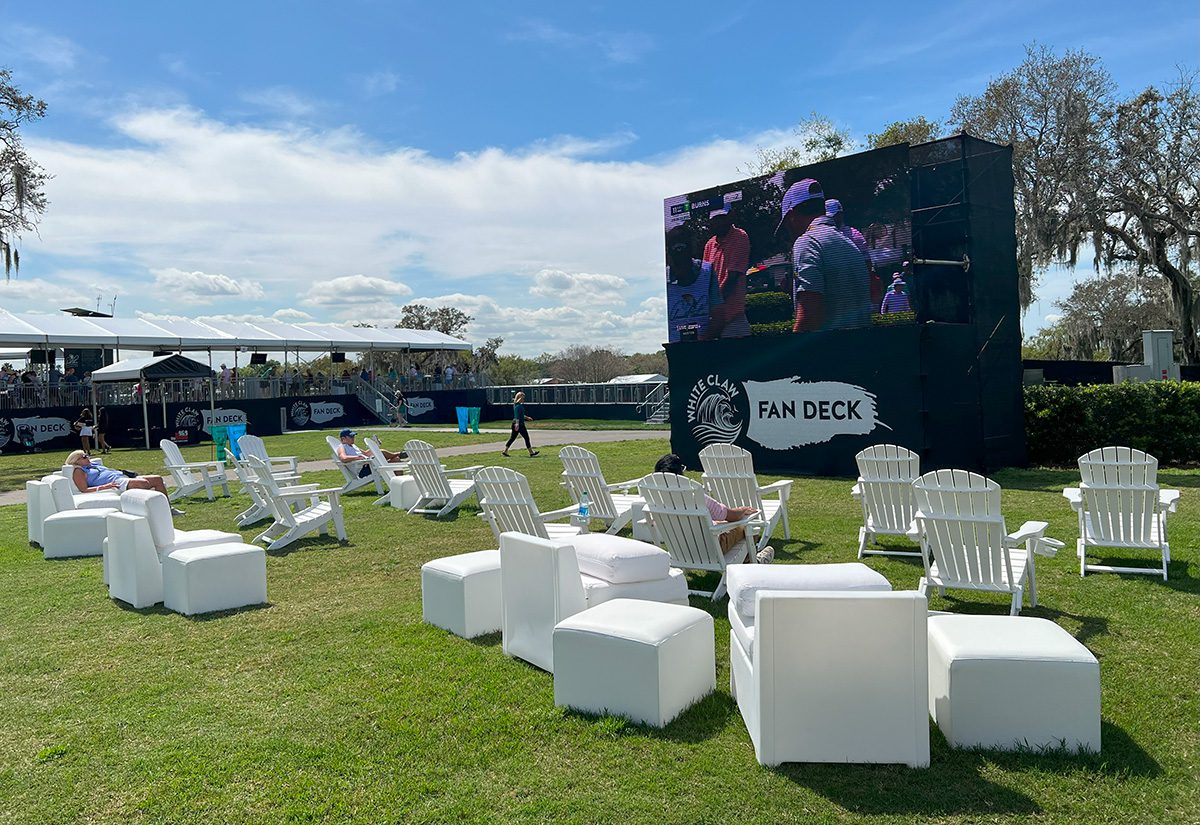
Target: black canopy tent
{"x": 156, "y": 368}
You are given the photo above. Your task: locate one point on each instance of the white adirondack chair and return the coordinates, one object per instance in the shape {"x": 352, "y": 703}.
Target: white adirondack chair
{"x": 1121, "y": 506}
{"x": 260, "y": 508}
{"x": 439, "y": 494}
{"x": 508, "y": 506}
{"x": 964, "y": 543}
{"x": 383, "y": 469}
{"x": 282, "y": 467}
{"x": 581, "y": 474}
{"x": 729, "y": 478}
{"x": 350, "y": 471}
{"x": 682, "y": 526}
{"x": 324, "y": 506}
{"x": 884, "y": 489}
{"x": 193, "y": 476}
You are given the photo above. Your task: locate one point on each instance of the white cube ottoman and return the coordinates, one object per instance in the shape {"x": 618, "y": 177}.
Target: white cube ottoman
{"x": 75, "y": 533}
{"x": 462, "y": 593}
{"x": 1009, "y": 682}
{"x": 647, "y": 661}
{"x": 403, "y": 492}
{"x": 214, "y": 577}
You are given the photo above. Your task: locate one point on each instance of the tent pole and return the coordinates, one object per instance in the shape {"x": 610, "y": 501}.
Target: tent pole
{"x": 162, "y": 395}
{"x": 212, "y": 412}
{"x": 145, "y": 410}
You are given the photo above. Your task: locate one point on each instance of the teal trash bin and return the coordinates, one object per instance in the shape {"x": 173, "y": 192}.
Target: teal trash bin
{"x": 462, "y": 419}
{"x": 473, "y": 419}
{"x": 235, "y": 431}
{"x": 220, "y": 437}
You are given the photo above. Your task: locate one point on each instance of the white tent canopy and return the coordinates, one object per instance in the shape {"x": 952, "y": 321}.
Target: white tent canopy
{"x": 50, "y": 331}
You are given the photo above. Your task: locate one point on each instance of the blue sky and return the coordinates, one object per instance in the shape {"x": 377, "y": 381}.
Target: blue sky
{"x": 335, "y": 161}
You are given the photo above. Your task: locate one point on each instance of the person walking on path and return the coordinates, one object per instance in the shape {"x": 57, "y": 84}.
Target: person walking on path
{"x": 518, "y": 425}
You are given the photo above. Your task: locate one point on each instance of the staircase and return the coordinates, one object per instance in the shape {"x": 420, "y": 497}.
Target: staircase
{"x": 657, "y": 405}
{"x": 373, "y": 401}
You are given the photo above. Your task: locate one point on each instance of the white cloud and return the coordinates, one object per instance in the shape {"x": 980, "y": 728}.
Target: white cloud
{"x": 287, "y": 207}
{"x": 378, "y": 84}
{"x": 354, "y": 290}
{"x": 280, "y": 100}
{"x": 579, "y": 288}
{"x": 203, "y": 288}
{"x": 59, "y": 54}
{"x": 615, "y": 47}
{"x": 30, "y": 290}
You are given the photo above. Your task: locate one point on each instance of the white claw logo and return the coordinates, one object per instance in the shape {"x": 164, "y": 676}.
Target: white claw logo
{"x": 711, "y": 410}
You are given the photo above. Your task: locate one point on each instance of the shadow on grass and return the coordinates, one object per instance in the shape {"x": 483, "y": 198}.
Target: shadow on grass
{"x": 330, "y": 542}
{"x": 703, "y": 720}
{"x": 487, "y": 640}
{"x": 1178, "y": 577}
{"x": 954, "y": 784}
{"x": 161, "y": 610}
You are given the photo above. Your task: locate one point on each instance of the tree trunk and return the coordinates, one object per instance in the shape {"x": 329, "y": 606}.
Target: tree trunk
{"x": 1183, "y": 295}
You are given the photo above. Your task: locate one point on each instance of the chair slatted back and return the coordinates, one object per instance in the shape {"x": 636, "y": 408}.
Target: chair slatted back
{"x": 378, "y": 459}
{"x": 582, "y": 473}
{"x": 1122, "y": 516}
{"x": 1118, "y": 467}
{"x": 505, "y": 496}
{"x": 426, "y": 468}
{"x": 729, "y": 476}
{"x": 174, "y": 460}
{"x": 1120, "y": 496}
{"x": 268, "y": 490}
{"x": 681, "y": 521}
{"x": 252, "y": 445}
{"x": 351, "y": 475}
{"x": 963, "y": 528}
{"x": 885, "y": 476}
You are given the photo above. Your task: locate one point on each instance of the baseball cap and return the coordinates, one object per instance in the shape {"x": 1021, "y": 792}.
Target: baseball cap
{"x": 716, "y": 213}
{"x": 832, "y": 207}
{"x": 347, "y": 433}
{"x": 799, "y": 192}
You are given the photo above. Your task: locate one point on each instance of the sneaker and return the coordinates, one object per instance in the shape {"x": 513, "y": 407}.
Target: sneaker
{"x": 505, "y": 454}
{"x": 175, "y": 511}
{"x": 535, "y": 452}
{"x": 766, "y": 555}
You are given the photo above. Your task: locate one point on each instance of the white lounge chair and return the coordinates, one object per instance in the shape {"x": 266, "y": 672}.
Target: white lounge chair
{"x": 508, "y": 506}
{"x": 350, "y": 470}
{"x": 438, "y": 493}
{"x": 729, "y": 478}
{"x": 382, "y": 468}
{"x": 193, "y": 476}
{"x": 36, "y": 511}
{"x": 66, "y": 531}
{"x": 834, "y": 677}
{"x": 85, "y": 501}
{"x": 582, "y": 474}
{"x": 684, "y": 528}
{"x": 964, "y": 543}
{"x": 1121, "y": 506}
{"x": 884, "y": 489}
{"x": 324, "y": 506}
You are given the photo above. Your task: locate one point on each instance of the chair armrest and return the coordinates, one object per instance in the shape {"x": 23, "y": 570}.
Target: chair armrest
{"x": 856, "y": 490}
{"x": 726, "y": 526}
{"x": 386, "y": 466}
{"x": 198, "y": 465}
{"x": 471, "y": 471}
{"x": 1168, "y": 500}
{"x": 553, "y": 515}
{"x": 332, "y": 492}
{"x": 297, "y": 488}
{"x": 914, "y": 529}
{"x": 1074, "y": 497}
{"x": 783, "y": 487}
{"x": 625, "y": 485}
{"x": 1028, "y": 530}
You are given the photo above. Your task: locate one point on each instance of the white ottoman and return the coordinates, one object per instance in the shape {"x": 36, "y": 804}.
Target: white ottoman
{"x": 1010, "y": 682}
{"x": 462, "y": 593}
{"x": 403, "y": 492}
{"x": 647, "y": 661}
{"x": 214, "y": 577}
{"x": 75, "y": 533}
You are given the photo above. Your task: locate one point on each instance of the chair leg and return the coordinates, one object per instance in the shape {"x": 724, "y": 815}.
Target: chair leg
{"x": 339, "y": 525}
{"x": 923, "y": 587}
{"x": 787, "y": 528}
{"x": 862, "y": 541}
{"x": 1079, "y": 550}
{"x": 1015, "y": 610}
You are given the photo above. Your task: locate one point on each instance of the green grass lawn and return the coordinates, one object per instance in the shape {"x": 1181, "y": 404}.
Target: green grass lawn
{"x": 336, "y": 704}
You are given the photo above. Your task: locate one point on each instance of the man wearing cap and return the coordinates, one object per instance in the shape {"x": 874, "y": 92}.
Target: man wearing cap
{"x": 832, "y": 285}
{"x": 897, "y": 299}
{"x": 728, "y": 250}
{"x": 692, "y": 290}
{"x": 349, "y": 453}
{"x": 834, "y": 210}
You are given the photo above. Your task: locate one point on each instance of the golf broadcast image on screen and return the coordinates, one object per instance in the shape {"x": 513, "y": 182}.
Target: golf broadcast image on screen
{"x": 819, "y": 247}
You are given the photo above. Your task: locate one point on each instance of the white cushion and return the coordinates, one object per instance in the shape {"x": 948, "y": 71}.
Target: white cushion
{"x": 154, "y": 506}
{"x": 462, "y": 593}
{"x": 745, "y": 580}
{"x": 185, "y": 539}
{"x": 743, "y": 630}
{"x": 619, "y": 560}
{"x": 214, "y": 577}
{"x": 671, "y": 589}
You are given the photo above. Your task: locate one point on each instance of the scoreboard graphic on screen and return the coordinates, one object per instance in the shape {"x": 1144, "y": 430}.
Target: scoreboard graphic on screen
{"x": 819, "y": 247}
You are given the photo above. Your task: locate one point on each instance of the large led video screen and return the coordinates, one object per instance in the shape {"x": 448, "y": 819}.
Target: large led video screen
{"x": 818, "y": 247}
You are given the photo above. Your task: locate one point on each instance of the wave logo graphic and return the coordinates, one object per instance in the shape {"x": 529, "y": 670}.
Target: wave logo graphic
{"x": 5, "y": 432}
{"x": 300, "y": 413}
{"x": 712, "y": 410}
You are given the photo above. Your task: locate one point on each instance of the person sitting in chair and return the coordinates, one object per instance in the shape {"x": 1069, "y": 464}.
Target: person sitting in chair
{"x": 93, "y": 477}
{"x": 349, "y": 453}
{"x": 671, "y": 463}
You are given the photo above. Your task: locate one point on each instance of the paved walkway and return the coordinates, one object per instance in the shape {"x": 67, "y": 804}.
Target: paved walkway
{"x": 542, "y": 438}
